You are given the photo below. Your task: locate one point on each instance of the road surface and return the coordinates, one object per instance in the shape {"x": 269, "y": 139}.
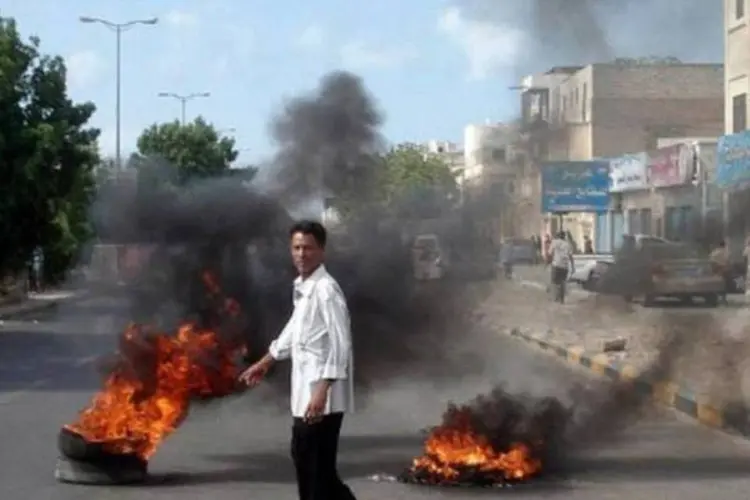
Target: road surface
{"x": 237, "y": 449}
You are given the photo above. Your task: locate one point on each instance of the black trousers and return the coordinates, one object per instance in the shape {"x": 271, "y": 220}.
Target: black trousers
{"x": 314, "y": 451}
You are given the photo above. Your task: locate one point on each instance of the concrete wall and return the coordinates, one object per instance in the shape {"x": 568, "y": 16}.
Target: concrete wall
{"x": 634, "y": 106}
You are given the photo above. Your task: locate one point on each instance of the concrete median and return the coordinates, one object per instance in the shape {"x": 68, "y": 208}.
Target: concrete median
{"x": 673, "y": 394}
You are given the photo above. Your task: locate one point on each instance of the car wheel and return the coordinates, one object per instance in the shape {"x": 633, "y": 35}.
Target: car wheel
{"x": 649, "y": 300}
{"x": 712, "y": 300}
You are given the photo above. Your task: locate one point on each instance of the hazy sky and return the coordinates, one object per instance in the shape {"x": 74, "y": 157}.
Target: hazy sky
{"x": 433, "y": 65}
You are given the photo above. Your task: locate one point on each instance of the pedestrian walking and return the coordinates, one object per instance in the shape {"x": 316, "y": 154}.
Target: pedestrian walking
{"x": 506, "y": 259}
{"x": 37, "y": 270}
{"x": 561, "y": 261}
{"x": 720, "y": 260}
{"x": 317, "y": 339}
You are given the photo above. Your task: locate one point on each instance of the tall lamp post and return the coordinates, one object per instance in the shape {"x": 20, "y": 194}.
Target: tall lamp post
{"x": 184, "y": 100}
{"x": 118, "y": 28}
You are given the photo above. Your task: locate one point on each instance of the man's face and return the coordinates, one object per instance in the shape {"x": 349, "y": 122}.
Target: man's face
{"x": 307, "y": 255}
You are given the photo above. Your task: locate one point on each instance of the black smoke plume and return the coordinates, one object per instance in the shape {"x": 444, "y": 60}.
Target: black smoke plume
{"x": 580, "y": 32}
{"x": 328, "y": 142}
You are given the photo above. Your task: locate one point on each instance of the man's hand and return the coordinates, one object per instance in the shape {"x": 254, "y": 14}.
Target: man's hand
{"x": 253, "y": 375}
{"x": 317, "y": 404}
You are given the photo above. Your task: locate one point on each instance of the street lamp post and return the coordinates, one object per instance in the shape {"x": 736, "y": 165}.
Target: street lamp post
{"x": 184, "y": 100}
{"x": 118, "y": 28}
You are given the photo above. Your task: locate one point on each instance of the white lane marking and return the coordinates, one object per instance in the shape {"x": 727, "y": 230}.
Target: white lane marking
{"x": 85, "y": 361}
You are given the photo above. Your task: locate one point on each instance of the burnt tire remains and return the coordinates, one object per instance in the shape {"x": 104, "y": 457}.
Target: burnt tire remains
{"x": 82, "y": 462}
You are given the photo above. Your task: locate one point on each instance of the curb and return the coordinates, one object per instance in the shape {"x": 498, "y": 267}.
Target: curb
{"x": 27, "y": 309}
{"x": 732, "y": 419}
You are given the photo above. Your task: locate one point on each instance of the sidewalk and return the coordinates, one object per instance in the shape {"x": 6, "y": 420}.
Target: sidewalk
{"x": 37, "y": 302}
{"x": 538, "y": 277}
{"x": 704, "y": 362}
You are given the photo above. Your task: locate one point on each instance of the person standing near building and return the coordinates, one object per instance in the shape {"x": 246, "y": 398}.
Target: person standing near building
{"x": 546, "y": 244}
{"x": 317, "y": 338}
{"x": 720, "y": 259}
{"x": 37, "y": 270}
{"x": 561, "y": 261}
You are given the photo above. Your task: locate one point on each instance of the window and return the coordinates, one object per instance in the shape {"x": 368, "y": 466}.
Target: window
{"x": 498, "y": 155}
{"x": 584, "y": 103}
{"x": 739, "y": 9}
{"x": 739, "y": 113}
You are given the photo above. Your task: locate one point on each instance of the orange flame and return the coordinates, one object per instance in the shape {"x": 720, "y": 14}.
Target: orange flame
{"x": 451, "y": 449}
{"x": 148, "y": 394}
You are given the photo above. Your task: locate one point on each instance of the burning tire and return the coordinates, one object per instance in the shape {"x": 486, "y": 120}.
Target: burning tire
{"x": 73, "y": 446}
{"x": 83, "y": 462}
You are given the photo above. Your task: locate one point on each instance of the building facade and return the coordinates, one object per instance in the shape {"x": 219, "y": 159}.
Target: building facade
{"x": 737, "y": 62}
{"x": 733, "y": 156}
{"x": 605, "y": 111}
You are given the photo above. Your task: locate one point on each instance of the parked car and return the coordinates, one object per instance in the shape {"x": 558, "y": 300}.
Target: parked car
{"x": 653, "y": 268}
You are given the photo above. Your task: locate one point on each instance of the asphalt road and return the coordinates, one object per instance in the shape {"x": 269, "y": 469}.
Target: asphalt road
{"x": 237, "y": 449}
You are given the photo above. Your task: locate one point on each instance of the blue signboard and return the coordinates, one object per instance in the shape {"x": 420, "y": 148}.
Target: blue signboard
{"x": 733, "y": 160}
{"x": 575, "y": 186}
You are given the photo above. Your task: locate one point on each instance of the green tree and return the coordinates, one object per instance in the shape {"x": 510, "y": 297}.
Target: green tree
{"x": 48, "y": 157}
{"x": 194, "y": 150}
{"x": 414, "y": 182}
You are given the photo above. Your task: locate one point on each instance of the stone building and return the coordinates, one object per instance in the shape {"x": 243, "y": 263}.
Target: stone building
{"x": 605, "y": 110}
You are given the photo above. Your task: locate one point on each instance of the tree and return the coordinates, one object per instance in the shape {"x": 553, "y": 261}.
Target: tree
{"x": 194, "y": 150}
{"x": 48, "y": 158}
{"x": 414, "y": 182}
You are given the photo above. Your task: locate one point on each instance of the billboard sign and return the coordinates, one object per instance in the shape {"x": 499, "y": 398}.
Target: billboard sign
{"x": 575, "y": 186}
{"x": 733, "y": 161}
{"x": 671, "y": 166}
{"x": 628, "y": 173}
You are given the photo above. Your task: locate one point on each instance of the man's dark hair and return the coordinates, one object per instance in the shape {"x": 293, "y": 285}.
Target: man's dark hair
{"x": 314, "y": 229}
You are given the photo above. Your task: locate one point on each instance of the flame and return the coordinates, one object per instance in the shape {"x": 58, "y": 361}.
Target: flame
{"x": 455, "y": 448}
{"x": 148, "y": 394}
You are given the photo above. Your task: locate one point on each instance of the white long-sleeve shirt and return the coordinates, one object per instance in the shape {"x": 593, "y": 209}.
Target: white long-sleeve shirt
{"x": 318, "y": 340}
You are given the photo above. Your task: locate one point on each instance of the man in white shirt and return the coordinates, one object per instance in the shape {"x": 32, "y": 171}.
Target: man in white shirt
{"x": 561, "y": 255}
{"x": 317, "y": 338}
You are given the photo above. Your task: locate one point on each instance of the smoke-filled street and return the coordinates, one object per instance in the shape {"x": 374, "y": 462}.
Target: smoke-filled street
{"x": 238, "y": 448}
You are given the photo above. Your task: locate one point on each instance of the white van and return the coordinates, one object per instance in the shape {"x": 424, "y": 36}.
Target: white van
{"x": 428, "y": 258}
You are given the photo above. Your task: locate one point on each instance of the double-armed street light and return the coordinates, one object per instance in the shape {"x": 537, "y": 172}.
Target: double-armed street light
{"x": 184, "y": 100}
{"x": 118, "y": 28}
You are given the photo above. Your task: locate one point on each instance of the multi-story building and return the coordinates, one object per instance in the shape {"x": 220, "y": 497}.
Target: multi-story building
{"x": 737, "y": 64}
{"x": 606, "y": 110}
{"x": 491, "y": 166}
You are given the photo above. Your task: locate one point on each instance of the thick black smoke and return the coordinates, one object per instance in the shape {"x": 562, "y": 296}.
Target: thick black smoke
{"x": 327, "y": 144}
{"x": 580, "y": 32}
{"x": 328, "y": 141}
{"x": 560, "y": 430}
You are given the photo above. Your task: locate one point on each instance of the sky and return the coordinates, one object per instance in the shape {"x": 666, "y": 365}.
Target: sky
{"x": 433, "y": 66}
{"x": 253, "y": 54}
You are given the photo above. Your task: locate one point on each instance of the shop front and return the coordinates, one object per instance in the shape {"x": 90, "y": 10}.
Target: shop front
{"x": 733, "y": 178}
{"x": 675, "y": 201}
{"x": 574, "y": 195}
{"x": 631, "y": 208}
